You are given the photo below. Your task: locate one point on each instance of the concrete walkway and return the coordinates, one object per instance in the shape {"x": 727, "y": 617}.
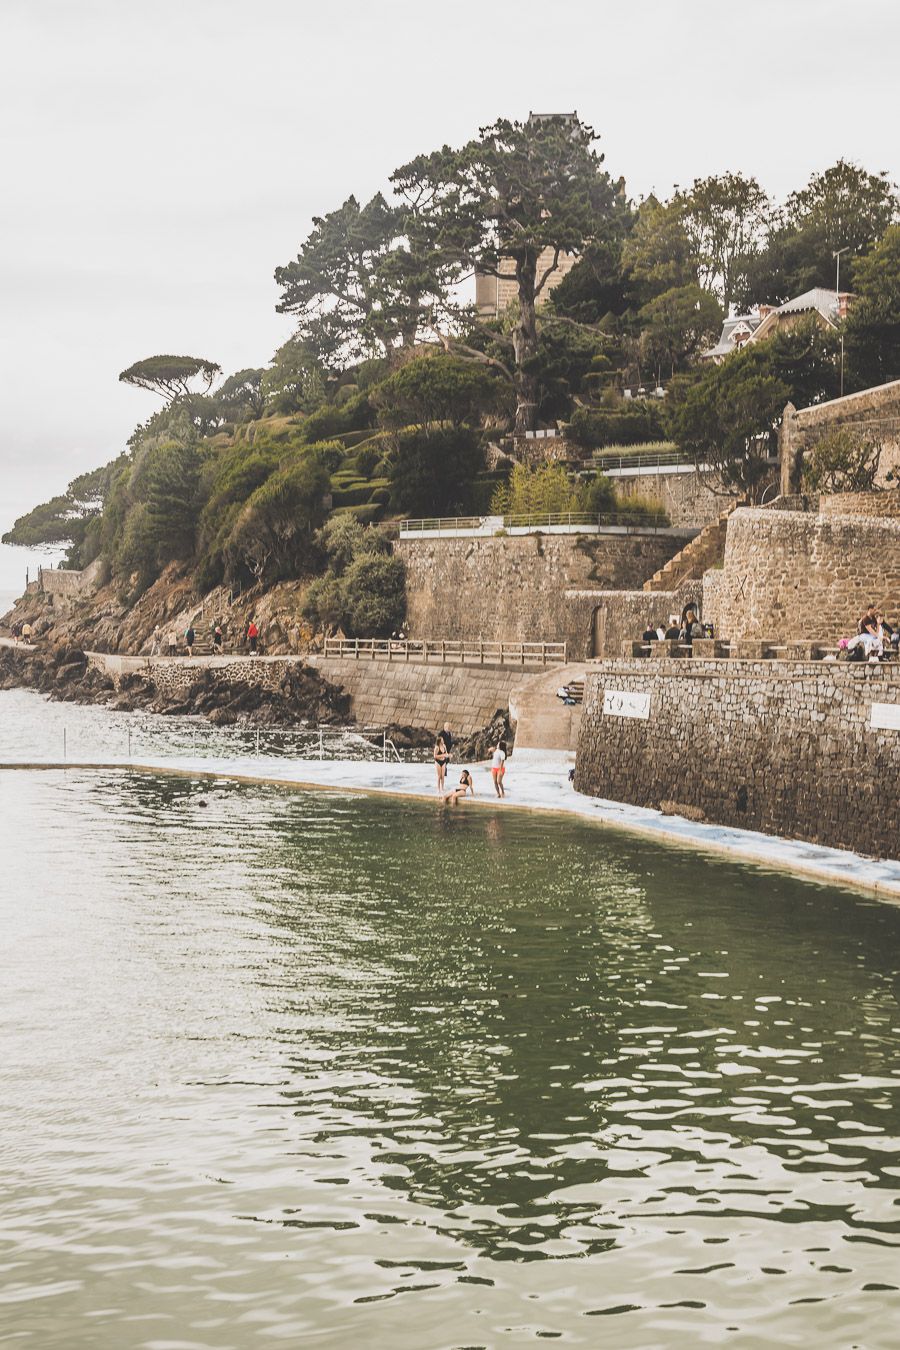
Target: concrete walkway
{"x": 536, "y": 781}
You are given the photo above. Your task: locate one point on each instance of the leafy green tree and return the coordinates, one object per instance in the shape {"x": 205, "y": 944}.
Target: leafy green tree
{"x": 369, "y": 277}
{"x": 240, "y": 398}
{"x": 658, "y": 254}
{"x": 845, "y": 459}
{"x": 330, "y": 286}
{"x": 63, "y": 521}
{"x": 432, "y": 473}
{"x": 436, "y": 389}
{"x": 171, "y": 376}
{"x": 727, "y": 417}
{"x": 272, "y": 536}
{"x": 596, "y": 288}
{"x": 504, "y": 199}
{"x": 295, "y": 381}
{"x": 342, "y": 538}
{"x": 725, "y": 217}
{"x": 677, "y": 325}
{"x": 843, "y": 208}
{"x": 375, "y": 595}
{"x": 171, "y": 493}
{"x": 873, "y": 325}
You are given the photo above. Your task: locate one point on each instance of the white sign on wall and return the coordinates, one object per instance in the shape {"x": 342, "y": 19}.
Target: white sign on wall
{"x": 886, "y": 716}
{"x": 625, "y": 703}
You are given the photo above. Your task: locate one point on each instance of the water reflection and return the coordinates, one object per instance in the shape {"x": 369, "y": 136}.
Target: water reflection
{"x": 326, "y": 1069}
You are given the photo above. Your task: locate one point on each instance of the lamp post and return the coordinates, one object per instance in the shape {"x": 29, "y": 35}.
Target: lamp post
{"x": 837, "y": 288}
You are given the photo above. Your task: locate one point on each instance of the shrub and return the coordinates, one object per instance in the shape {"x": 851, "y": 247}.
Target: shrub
{"x": 366, "y": 459}
{"x": 844, "y": 460}
{"x": 431, "y": 472}
{"x": 535, "y": 490}
{"x": 593, "y": 428}
{"x": 375, "y": 596}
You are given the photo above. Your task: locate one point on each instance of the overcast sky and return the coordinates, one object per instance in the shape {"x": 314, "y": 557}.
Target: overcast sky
{"x": 159, "y": 160}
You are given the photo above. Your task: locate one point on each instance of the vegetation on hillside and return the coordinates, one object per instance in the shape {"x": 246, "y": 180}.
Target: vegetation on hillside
{"x": 390, "y": 393}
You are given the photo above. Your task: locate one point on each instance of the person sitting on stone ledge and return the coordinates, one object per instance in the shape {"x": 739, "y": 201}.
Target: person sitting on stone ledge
{"x": 868, "y": 642}
{"x": 673, "y": 632}
{"x": 890, "y": 637}
{"x": 649, "y": 634}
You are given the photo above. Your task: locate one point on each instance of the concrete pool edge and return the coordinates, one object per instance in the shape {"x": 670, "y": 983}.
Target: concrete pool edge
{"x": 836, "y": 867}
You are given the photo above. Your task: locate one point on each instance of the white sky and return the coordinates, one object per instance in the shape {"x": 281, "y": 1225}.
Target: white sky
{"x": 158, "y": 161}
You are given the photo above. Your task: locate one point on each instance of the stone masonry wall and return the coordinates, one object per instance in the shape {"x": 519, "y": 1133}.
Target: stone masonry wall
{"x": 805, "y": 577}
{"x": 691, "y": 499}
{"x": 513, "y": 588}
{"x": 877, "y": 504}
{"x": 410, "y": 694}
{"x": 614, "y": 617}
{"x": 782, "y": 747}
{"x": 423, "y": 695}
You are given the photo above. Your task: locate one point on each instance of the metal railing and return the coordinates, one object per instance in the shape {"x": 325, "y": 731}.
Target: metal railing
{"x": 228, "y": 742}
{"x": 430, "y": 523}
{"x": 643, "y": 459}
{"x": 535, "y": 520}
{"x": 464, "y": 653}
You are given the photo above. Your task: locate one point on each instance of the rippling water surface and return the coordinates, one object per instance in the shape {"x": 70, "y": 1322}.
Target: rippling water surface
{"x": 311, "y": 1069}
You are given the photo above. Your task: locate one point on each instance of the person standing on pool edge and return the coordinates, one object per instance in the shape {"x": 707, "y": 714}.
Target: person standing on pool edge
{"x": 498, "y": 767}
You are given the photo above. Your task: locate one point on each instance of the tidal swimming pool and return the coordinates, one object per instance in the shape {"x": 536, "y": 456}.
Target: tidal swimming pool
{"x": 317, "y": 1069}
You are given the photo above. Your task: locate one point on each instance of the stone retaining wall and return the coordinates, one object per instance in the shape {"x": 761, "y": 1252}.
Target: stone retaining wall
{"x": 792, "y": 575}
{"x": 514, "y": 588}
{"x": 691, "y": 499}
{"x": 419, "y": 695}
{"x": 411, "y": 694}
{"x": 786, "y": 748}
{"x": 875, "y": 504}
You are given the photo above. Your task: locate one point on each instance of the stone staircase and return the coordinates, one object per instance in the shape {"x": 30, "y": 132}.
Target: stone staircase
{"x": 543, "y": 721}
{"x": 704, "y": 551}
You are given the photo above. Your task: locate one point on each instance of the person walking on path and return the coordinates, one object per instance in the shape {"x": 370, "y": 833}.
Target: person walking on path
{"x": 458, "y": 794}
{"x": 217, "y": 639}
{"x": 252, "y": 636}
{"x": 441, "y": 760}
{"x": 173, "y": 642}
{"x": 498, "y": 767}
{"x": 189, "y": 639}
{"x": 155, "y": 641}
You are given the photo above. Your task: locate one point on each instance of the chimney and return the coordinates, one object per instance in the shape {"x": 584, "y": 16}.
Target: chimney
{"x": 843, "y": 303}
{"x": 765, "y": 311}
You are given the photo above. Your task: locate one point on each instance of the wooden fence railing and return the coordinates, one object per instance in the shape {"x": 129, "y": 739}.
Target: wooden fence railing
{"x": 448, "y": 653}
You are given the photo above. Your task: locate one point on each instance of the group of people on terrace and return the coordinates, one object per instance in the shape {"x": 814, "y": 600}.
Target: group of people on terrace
{"x": 682, "y": 630}
{"x": 443, "y": 754}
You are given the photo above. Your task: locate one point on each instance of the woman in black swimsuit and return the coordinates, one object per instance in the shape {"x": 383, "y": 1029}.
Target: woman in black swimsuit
{"x": 441, "y": 760}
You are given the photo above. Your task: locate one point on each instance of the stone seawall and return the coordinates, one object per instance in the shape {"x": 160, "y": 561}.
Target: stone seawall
{"x": 514, "y": 588}
{"x": 410, "y": 694}
{"x": 783, "y": 747}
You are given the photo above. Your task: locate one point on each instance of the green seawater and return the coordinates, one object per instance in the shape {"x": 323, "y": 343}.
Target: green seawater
{"x": 310, "y": 1069}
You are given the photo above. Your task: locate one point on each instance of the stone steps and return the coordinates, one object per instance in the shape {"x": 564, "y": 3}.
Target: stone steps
{"x": 703, "y": 552}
